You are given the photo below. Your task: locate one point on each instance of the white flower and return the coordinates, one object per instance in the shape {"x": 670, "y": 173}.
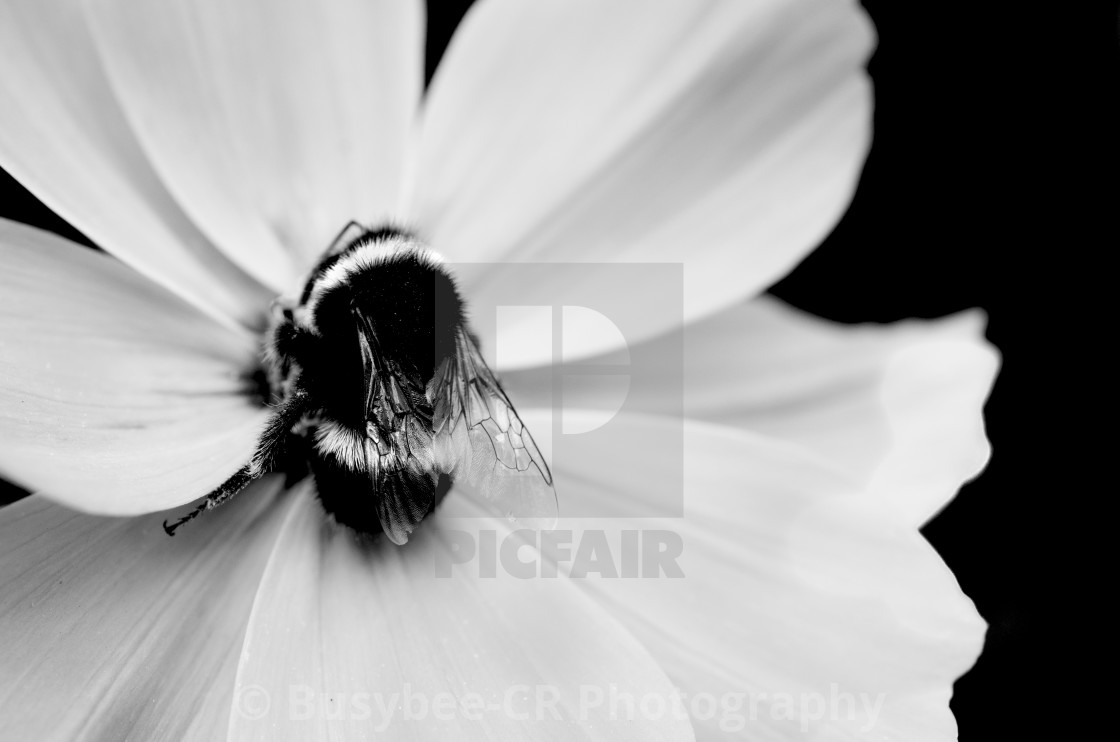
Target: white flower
{"x": 213, "y": 148}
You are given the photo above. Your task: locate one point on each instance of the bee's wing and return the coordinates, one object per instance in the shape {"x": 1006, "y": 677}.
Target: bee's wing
{"x": 404, "y": 498}
{"x": 482, "y": 443}
{"x": 398, "y": 451}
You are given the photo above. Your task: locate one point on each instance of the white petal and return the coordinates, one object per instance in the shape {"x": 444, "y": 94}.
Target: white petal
{"x": 352, "y": 641}
{"x": 115, "y": 396}
{"x": 273, "y": 123}
{"x": 64, "y": 137}
{"x": 895, "y": 407}
{"x": 792, "y": 589}
{"x": 113, "y": 630}
{"x": 726, "y": 136}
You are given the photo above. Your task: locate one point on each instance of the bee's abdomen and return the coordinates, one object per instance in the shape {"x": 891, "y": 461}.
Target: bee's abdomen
{"x": 346, "y": 493}
{"x": 389, "y": 501}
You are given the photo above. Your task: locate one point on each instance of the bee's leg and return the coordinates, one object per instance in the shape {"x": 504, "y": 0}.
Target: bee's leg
{"x": 271, "y": 447}
{"x": 225, "y": 491}
{"x": 269, "y": 450}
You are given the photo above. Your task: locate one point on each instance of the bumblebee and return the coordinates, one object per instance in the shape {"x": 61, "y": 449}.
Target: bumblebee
{"x": 383, "y": 396}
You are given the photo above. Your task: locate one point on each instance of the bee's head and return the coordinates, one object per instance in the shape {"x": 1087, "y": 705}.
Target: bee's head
{"x": 396, "y": 284}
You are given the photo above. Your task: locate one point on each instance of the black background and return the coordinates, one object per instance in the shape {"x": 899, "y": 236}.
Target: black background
{"x": 991, "y": 183}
